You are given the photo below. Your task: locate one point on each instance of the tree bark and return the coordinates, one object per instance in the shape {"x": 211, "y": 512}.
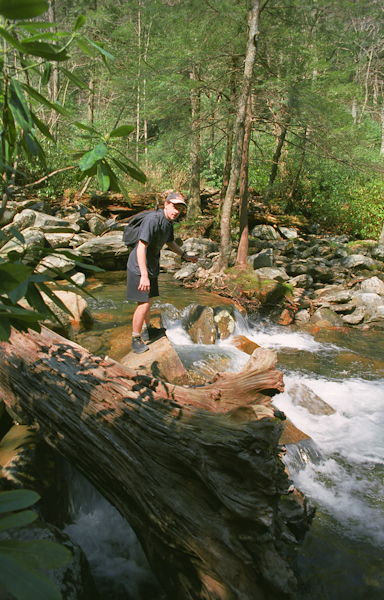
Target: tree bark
{"x": 242, "y": 251}
{"x": 225, "y": 225}
{"x": 195, "y": 471}
{"x": 194, "y": 204}
{"x": 276, "y": 158}
{"x": 230, "y": 132}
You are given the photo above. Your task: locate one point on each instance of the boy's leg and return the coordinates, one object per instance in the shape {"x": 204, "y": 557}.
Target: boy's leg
{"x": 141, "y": 316}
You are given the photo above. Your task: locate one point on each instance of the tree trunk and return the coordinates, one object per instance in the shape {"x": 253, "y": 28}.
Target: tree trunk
{"x": 276, "y": 158}
{"x": 194, "y": 204}
{"x": 228, "y": 150}
{"x": 195, "y": 471}
{"x": 290, "y": 207}
{"x": 225, "y": 225}
{"x": 242, "y": 252}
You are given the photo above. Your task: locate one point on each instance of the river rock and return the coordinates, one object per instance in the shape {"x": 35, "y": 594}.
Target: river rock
{"x": 201, "y": 247}
{"x": 74, "y": 580}
{"x": 302, "y": 395}
{"x": 244, "y": 344}
{"x": 303, "y": 281}
{"x": 8, "y": 216}
{"x": 54, "y": 265}
{"x": 325, "y": 317}
{"x": 97, "y": 225}
{"x": 33, "y": 238}
{"x": 261, "y": 259}
{"x": 186, "y": 270}
{"x": 265, "y": 232}
{"x": 108, "y": 252}
{"x": 372, "y": 304}
{"x": 200, "y": 324}
{"x": 373, "y": 284}
{"x": 78, "y": 278}
{"x": 169, "y": 261}
{"x": 288, "y": 233}
{"x": 160, "y": 361}
{"x": 225, "y": 323}
{"x": 377, "y": 253}
{"x": 359, "y": 261}
{"x": 302, "y": 316}
{"x": 336, "y": 294}
{"x": 278, "y": 274}
{"x": 80, "y": 238}
{"x": 78, "y": 307}
{"x": 356, "y": 317}
{"x": 59, "y": 240}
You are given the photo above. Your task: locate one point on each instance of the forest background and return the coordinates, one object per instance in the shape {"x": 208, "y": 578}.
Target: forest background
{"x": 173, "y": 70}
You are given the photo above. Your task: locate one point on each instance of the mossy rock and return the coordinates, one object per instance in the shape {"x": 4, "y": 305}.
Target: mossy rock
{"x": 244, "y": 281}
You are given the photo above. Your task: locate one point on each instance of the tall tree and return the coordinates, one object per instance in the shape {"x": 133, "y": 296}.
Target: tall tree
{"x": 225, "y": 225}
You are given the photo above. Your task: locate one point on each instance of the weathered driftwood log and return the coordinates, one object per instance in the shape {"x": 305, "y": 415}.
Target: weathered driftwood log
{"x": 196, "y": 472}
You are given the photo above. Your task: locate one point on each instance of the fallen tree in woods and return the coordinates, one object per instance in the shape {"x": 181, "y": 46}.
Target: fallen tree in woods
{"x": 195, "y": 471}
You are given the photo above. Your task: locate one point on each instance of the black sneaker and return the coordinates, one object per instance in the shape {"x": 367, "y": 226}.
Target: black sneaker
{"x": 152, "y": 333}
{"x": 138, "y": 346}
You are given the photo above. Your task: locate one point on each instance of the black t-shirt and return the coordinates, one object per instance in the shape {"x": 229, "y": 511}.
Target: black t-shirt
{"x": 155, "y": 231}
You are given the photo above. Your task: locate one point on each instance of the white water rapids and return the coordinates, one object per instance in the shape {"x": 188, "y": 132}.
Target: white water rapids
{"x": 341, "y": 557}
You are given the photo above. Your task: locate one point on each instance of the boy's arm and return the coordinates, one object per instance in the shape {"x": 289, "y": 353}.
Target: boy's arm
{"x": 176, "y": 248}
{"x": 144, "y": 284}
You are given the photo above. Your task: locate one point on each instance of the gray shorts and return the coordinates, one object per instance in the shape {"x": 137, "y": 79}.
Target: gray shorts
{"x": 133, "y": 293}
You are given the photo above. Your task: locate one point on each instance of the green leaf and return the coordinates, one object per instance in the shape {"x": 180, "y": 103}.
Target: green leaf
{"x": 37, "y": 554}
{"x": 79, "y": 22}
{"x": 19, "y": 107}
{"x": 18, "y": 292}
{"x": 55, "y": 298}
{"x": 122, "y": 131}
{"x": 103, "y": 177}
{"x": 35, "y": 300}
{"x": 17, "y": 519}
{"x": 23, "y": 582}
{"x": 13, "y": 41}
{"x": 115, "y": 184}
{"x": 47, "y": 35}
{"x": 42, "y": 127}
{"x": 133, "y": 171}
{"x": 45, "y": 50}
{"x": 40, "y": 98}
{"x": 17, "y": 234}
{"x": 35, "y": 25}
{"x": 12, "y": 275}
{"x": 22, "y": 9}
{"x": 86, "y": 128}
{"x": 5, "y": 327}
{"x": 90, "y": 158}
{"x": 22, "y": 313}
{"x": 17, "y": 500}
{"x": 46, "y": 73}
{"x": 100, "y": 49}
{"x": 84, "y": 47}
{"x": 31, "y": 143}
{"x": 74, "y": 78}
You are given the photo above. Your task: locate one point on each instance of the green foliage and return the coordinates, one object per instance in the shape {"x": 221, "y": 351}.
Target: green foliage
{"x": 21, "y": 101}
{"x": 18, "y": 280}
{"x": 20, "y": 562}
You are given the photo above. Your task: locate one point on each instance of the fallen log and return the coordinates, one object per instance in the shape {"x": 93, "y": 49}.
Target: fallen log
{"x": 195, "y": 471}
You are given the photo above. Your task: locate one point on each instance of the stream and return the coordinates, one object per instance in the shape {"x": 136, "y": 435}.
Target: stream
{"x": 342, "y": 555}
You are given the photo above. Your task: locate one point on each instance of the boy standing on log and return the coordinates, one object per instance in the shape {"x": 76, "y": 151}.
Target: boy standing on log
{"x": 143, "y": 267}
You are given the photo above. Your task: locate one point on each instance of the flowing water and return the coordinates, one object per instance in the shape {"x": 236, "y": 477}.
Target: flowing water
{"x": 342, "y": 555}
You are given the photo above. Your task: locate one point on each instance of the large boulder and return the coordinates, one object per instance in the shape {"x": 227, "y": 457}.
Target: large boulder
{"x": 265, "y": 232}
{"x": 108, "y": 252}
{"x": 200, "y": 246}
{"x": 33, "y": 238}
{"x": 54, "y": 265}
{"x": 373, "y": 284}
{"x": 359, "y": 261}
{"x": 261, "y": 259}
{"x": 225, "y": 323}
{"x": 200, "y": 324}
{"x": 377, "y": 252}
